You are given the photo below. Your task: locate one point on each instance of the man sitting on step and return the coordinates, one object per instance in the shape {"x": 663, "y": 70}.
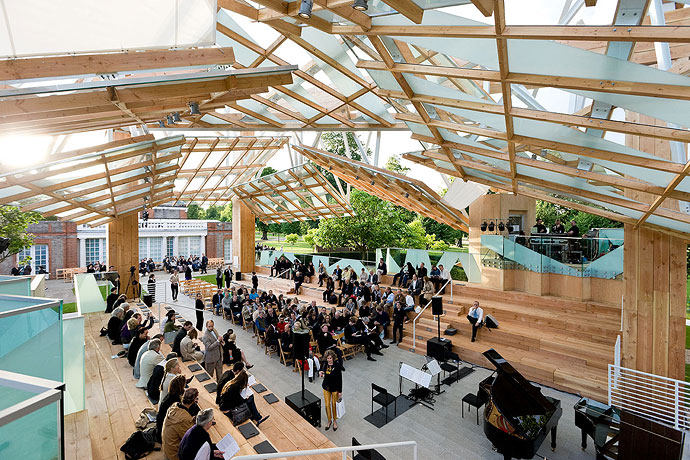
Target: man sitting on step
{"x": 475, "y": 317}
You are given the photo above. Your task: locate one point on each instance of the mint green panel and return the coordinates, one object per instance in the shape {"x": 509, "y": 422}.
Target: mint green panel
{"x": 391, "y": 264}
{"x": 416, "y": 256}
{"x": 89, "y": 297}
{"x": 34, "y": 436}
{"x": 15, "y": 285}
{"x": 73, "y": 356}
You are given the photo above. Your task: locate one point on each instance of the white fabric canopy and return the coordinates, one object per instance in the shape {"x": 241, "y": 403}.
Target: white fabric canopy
{"x": 461, "y": 194}
{"x": 42, "y": 27}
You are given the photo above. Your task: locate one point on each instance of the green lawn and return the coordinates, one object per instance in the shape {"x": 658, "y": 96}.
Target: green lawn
{"x": 70, "y": 307}
{"x": 208, "y": 278}
{"x": 104, "y": 290}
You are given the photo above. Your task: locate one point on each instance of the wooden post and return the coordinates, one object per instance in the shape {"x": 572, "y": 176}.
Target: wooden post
{"x": 243, "y": 236}
{"x": 654, "y": 302}
{"x": 122, "y": 238}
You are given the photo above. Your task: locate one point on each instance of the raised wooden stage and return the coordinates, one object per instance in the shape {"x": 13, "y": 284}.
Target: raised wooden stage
{"x": 113, "y": 405}
{"x": 562, "y": 343}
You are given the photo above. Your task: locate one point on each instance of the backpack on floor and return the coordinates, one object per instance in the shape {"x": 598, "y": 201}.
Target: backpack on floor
{"x": 137, "y": 446}
{"x": 333, "y": 299}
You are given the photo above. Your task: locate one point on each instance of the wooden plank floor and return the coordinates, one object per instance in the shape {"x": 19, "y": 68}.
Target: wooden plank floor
{"x": 77, "y": 440}
{"x": 114, "y": 404}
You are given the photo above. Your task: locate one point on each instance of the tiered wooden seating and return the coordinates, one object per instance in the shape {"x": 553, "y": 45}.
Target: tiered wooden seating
{"x": 114, "y": 404}
{"x": 563, "y": 343}
{"x": 216, "y": 263}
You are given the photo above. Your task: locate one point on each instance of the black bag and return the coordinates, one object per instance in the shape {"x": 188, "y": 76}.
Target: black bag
{"x": 450, "y": 331}
{"x": 333, "y": 299}
{"x": 104, "y": 331}
{"x": 240, "y": 414}
{"x": 137, "y": 446}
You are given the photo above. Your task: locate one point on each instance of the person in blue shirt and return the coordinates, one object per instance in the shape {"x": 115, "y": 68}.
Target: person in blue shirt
{"x": 475, "y": 317}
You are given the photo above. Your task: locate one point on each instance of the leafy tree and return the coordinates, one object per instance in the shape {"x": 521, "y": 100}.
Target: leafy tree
{"x": 333, "y": 143}
{"x": 443, "y": 232}
{"x": 263, "y": 228}
{"x": 213, "y": 212}
{"x": 304, "y": 227}
{"x": 415, "y": 237}
{"x": 549, "y": 212}
{"x": 13, "y": 225}
{"x": 310, "y": 235}
{"x": 439, "y": 245}
{"x": 268, "y": 170}
{"x": 376, "y": 224}
{"x": 292, "y": 238}
{"x": 393, "y": 164}
{"x": 226, "y": 213}
{"x": 196, "y": 212}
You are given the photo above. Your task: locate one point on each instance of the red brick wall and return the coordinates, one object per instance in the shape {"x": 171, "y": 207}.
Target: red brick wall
{"x": 218, "y": 232}
{"x": 62, "y": 242}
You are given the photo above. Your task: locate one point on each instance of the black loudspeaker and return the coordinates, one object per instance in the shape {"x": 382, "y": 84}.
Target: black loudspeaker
{"x": 437, "y": 305}
{"x": 438, "y": 348}
{"x": 238, "y": 276}
{"x": 300, "y": 345}
{"x": 491, "y": 322}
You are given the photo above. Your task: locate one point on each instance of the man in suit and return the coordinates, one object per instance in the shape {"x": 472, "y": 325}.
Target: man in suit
{"x": 416, "y": 286}
{"x": 354, "y": 335}
{"x": 475, "y": 317}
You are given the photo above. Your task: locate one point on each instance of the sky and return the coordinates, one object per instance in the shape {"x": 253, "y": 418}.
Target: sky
{"x": 35, "y": 148}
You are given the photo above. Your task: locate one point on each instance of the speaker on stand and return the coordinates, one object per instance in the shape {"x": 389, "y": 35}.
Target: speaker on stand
{"x": 437, "y": 311}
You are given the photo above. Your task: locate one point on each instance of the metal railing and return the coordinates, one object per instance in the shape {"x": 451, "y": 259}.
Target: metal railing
{"x": 332, "y": 450}
{"x": 414, "y": 321}
{"x": 661, "y": 399}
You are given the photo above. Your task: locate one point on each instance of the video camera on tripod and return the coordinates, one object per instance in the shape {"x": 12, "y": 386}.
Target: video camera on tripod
{"x": 133, "y": 283}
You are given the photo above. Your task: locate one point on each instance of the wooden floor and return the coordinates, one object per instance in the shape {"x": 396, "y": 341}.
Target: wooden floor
{"x": 565, "y": 344}
{"x": 113, "y": 405}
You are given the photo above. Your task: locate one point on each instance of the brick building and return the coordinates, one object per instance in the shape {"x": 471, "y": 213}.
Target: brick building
{"x": 166, "y": 233}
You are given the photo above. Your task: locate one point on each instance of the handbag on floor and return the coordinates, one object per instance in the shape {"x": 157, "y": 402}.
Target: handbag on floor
{"x": 240, "y": 414}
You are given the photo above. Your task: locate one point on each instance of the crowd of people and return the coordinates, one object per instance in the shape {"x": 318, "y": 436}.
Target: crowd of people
{"x": 193, "y": 263}
{"x": 181, "y": 425}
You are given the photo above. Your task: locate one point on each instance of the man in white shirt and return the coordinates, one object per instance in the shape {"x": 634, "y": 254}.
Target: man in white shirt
{"x": 148, "y": 361}
{"x": 444, "y": 276}
{"x": 409, "y": 306}
{"x": 475, "y": 317}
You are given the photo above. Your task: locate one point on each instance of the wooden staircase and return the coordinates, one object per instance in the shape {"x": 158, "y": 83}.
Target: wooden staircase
{"x": 561, "y": 343}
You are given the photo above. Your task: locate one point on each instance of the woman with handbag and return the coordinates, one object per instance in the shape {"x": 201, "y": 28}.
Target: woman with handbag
{"x": 237, "y": 400}
{"x": 332, "y": 387}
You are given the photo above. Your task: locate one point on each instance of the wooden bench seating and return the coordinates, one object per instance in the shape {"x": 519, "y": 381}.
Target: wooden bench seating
{"x": 114, "y": 404}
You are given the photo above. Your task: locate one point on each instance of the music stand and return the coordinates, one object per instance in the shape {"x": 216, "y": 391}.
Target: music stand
{"x": 434, "y": 369}
{"x": 420, "y": 379}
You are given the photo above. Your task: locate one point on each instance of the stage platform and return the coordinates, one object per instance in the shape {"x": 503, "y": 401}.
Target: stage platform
{"x": 562, "y": 343}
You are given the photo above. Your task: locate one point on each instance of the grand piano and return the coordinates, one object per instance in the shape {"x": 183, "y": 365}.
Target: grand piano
{"x": 517, "y": 416}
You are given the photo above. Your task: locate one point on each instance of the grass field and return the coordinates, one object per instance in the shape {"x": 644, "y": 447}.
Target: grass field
{"x": 208, "y": 278}
{"x": 71, "y": 307}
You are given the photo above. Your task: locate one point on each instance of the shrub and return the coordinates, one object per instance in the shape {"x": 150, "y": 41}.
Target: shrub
{"x": 292, "y": 238}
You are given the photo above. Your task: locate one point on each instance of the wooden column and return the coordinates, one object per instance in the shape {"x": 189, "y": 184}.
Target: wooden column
{"x": 243, "y": 236}
{"x": 654, "y": 302}
{"x": 122, "y": 238}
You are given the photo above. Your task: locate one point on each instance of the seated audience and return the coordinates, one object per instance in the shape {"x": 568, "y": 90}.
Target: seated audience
{"x": 197, "y": 437}
{"x": 143, "y": 349}
{"x": 237, "y": 394}
{"x": 115, "y": 323}
{"x": 178, "y": 419}
{"x": 189, "y": 350}
{"x": 149, "y": 360}
{"x": 141, "y": 336}
{"x": 231, "y": 353}
{"x": 110, "y": 300}
{"x": 181, "y": 334}
{"x": 174, "y": 396}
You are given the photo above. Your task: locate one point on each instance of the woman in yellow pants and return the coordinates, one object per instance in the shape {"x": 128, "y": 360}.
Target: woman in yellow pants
{"x": 332, "y": 387}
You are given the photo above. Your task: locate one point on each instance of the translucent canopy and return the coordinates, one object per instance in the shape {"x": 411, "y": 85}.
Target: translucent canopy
{"x": 87, "y": 26}
{"x": 300, "y": 194}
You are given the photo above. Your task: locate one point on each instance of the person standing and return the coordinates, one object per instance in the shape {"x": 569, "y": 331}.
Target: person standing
{"x": 228, "y": 277}
{"x": 110, "y": 300}
{"x": 204, "y": 263}
{"x": 332, "y": 387}
{"x": 219, "y": 278}
{"x": 199, "y": 306}
{"x": 188, "y": 272}
{"x": 174, "y": 285}
{"x": 213, "y": 353}
{"x": 475, "y": 317}
{"x": 255, "y": 281}
{"x": 399, "y": 316}
{"x": 151, "y": 287}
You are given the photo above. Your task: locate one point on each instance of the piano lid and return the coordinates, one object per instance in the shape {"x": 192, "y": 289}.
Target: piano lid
{"x": 512, "y": 393}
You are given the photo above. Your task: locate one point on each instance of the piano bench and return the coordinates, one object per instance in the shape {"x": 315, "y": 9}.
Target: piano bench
{"x": 472, "y": 400}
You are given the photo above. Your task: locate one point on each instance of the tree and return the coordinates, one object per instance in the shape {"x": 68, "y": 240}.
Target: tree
{"x": 263, "y": 228}
{"x": 376, "y": 224}
{"x": 333, "y": 143}
{"x": 443, "y": 232}
{"x": 13, "y": 225}
{"x": 310, "y": 235}
{"x": 226, "y": 213}
{"x": 268, "y": 170}
{"x": 415, "y": 237}
{"x": 549, "y": 212}
{"x": 305, "y": 226}
{"x": 196, "y": 212}
{"x": 292, "y": 238}
{"x": 213, "y": 212}
{"x": 393, "y": 164}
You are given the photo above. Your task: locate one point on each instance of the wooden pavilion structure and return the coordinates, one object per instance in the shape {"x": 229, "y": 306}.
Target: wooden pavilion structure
{"x": 464, "y": 88}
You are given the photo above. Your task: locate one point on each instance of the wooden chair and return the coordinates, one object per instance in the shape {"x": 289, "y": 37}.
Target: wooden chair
{"x": 348, "y": 349}
{"x": 284, "y": 356}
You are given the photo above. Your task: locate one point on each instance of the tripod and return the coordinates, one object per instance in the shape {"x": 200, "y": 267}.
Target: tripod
{"x": 133, "y": 283}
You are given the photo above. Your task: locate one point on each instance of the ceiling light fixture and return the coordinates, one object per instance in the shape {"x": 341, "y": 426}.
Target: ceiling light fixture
{"x": 176, "y": 117}
{"x": 360, "y": 5}
{"x": 161, "y": 124}
{"x": 170, "y": 120}
{"x": 305, "y": 9}
{"x": 194, "y": 108}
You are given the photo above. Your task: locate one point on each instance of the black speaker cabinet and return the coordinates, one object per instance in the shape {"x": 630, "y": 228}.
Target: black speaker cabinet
{"x": 300, "y": 345}
{"x": 436, "y": 305}
{"x": 238, "y": 276}
{"x": 438, "y": 348}
{"x": 490, "y": 322}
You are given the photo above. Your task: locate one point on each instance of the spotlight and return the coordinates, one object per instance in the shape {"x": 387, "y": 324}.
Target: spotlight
{"x": 305, "y": 9}
{"x": 194, "y": 108}
{"x": 161, "y": 124}
{"x": 170, "y": 120}
{"x": 483, "y": 226}
{"x": 145, "y": 216}
{"x": 501, "y": 226}
{"x": 360, "y": 5}
{"x": 492, "y": 226}
{"x": 176, "y": 117}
